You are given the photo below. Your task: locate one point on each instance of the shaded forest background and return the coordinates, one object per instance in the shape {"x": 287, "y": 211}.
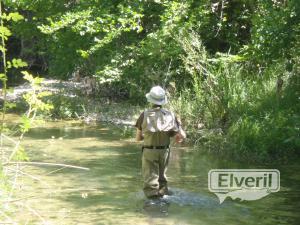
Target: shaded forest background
{"x": 231, "y": 66}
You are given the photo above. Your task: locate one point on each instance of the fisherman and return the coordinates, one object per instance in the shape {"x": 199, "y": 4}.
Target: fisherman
{"x": 155, "y": 126}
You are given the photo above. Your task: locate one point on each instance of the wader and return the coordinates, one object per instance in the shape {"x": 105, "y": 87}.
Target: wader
{"x": 154, "y": 168}
{"x": 158, "y": 126}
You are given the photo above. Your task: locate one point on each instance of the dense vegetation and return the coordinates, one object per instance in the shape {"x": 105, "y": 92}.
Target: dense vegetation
{"x": 232, "y": 67}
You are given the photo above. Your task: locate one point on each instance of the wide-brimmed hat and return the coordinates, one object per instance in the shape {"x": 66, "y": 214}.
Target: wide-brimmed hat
{"x": 157, "y": 96}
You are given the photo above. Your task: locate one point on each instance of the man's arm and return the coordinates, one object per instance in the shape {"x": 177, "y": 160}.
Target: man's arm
{"x": 139, "y": 135}
{"x": 180, "y": 135}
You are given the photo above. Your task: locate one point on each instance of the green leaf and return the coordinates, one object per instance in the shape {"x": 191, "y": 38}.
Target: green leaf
{"x": 19, "y": 63}
{"x": 38, "y": 80}
{"x": 25, "y": 124}
{"x": 15, "y": 16}
{"x": 44, "y": 94}
{"x": 2, "y": 49}
{"x": 8, "y": 64}
{"x": 4, "y": 31}
{"x": 3, "y": 77}
{"x": 10, "y": 105}
{"x": 84, "y": 54}
{"x": 3, "y": 16}
{"x": 28, "y": 76}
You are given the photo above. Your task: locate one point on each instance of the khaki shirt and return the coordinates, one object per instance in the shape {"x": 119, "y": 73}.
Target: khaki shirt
{"x": 159, "y": 138}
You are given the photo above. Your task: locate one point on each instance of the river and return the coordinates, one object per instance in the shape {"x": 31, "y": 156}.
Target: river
{"x": 110, "y": 192}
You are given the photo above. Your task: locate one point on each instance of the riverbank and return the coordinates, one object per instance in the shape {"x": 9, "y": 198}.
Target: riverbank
{"x": 250, "y": 135}
{"x": 70, "y": 101}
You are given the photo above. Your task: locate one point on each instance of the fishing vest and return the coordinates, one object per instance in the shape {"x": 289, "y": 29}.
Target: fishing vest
{"x": 157, "y": 125}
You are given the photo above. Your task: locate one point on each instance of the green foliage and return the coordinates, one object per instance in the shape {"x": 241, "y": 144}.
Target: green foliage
{"x": 34, "y": 96}
{"x": 66, "y": 107}
{"x": 234, "y": 112}
{"x": 13, "y": 149}
{"x": 16, "y": 63}
{"x": 143, "y": 32}
{"x": 5, "y": 32}
{"x": 12, "y": 16}
{"x": 224, "y": 60}
{"x": 275, "y": 29}
{"x": 25, "y": 124}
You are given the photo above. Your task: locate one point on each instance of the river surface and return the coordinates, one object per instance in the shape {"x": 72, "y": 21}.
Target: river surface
{"x": 110, "y": 192}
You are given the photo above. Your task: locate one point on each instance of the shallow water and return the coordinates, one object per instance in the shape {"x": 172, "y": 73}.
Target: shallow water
{"x": 110, "y": 192}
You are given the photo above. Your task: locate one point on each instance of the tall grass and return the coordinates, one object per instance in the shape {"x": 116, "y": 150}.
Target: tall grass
{"x": 234, "y": 111}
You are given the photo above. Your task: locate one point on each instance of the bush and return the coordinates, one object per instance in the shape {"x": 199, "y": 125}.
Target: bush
{"x": 238, "y": 112}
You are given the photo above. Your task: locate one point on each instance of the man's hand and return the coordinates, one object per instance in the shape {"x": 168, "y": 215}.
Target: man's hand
{"x": 180, "y": 136}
